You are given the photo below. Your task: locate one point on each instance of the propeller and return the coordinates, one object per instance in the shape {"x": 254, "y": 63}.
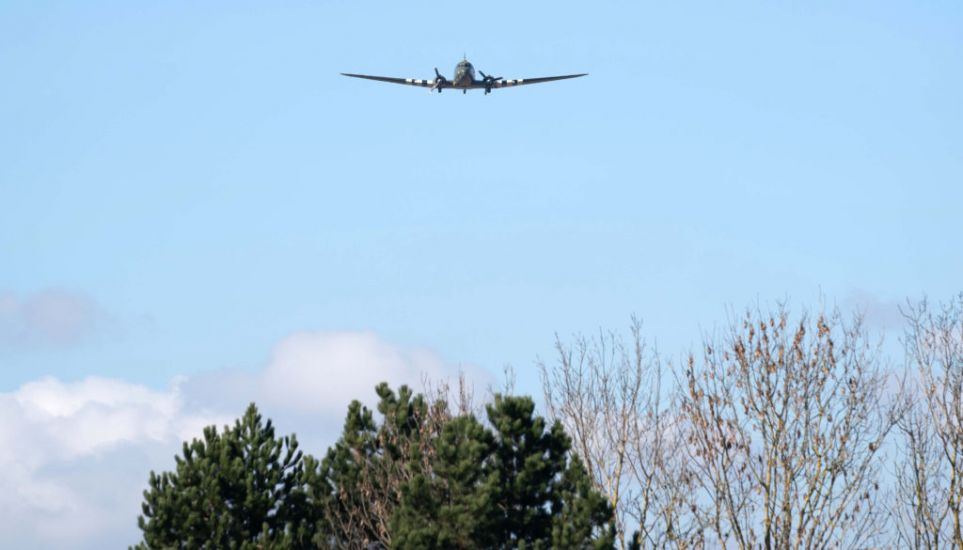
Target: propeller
{"x": 440, "y": 81}
{"x": 489, "y": 81}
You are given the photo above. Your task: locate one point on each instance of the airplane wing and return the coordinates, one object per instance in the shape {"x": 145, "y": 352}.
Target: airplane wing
{"x": 408, "y": 81}
{"x": 508, "y": 83}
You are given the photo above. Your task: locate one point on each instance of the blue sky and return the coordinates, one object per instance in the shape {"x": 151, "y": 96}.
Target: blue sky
{"x": 196, "y": 183}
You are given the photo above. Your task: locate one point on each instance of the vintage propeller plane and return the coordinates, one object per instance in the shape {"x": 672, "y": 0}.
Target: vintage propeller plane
{"x": 465, "y": 80}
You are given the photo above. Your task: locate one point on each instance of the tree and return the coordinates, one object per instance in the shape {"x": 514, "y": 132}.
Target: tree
{"x": 585, "y": 519}
{"x": 930, "y": 478}
{"x": 453, "y": 506}
{"x": 509, "y": 487}
{"x": 242, "y": 488}
{"x": 612, "y": 400}
{"x": 359, "y": 482}
{"x": 424, "y": 479}
{"x": 785, "y": 426}
{"x": 418, "y": 478}
{"x": 538, "y": 492}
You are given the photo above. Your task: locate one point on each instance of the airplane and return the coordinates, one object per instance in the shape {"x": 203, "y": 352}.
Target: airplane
{"x": 464, "y": 80}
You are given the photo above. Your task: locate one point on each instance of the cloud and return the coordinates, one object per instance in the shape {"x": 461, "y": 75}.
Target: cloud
{"x": 75, "y": 456}
{"x": 48, "y": 318}
{"x": 311, "y": 377}
{"x": 322, "y": 371}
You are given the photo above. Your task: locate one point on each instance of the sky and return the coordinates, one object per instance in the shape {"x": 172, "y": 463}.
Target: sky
{"x": 198, "y": 211}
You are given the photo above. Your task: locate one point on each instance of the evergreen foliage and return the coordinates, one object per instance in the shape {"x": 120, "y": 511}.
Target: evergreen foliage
{"x": 334, "y": 483}
{"x": 454, "y": 506}
{"x": 417, "y": 479}
{"x": 238, "y": 489}
{"x": 585, "y": 519}
{"x": 507, "y": 487}
{"x": 543, "y": 500}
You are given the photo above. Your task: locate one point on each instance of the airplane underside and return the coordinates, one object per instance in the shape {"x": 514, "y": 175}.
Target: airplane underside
{"x": 464, "y": 80}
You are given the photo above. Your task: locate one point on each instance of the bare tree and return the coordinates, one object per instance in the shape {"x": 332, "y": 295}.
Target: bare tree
{"x": 919, "y": 509}
{"x": 930, "y": 481}
{"x": 785, "y": 425}
{"x": 609, "y": 397}
{"x": 461, "y": 399}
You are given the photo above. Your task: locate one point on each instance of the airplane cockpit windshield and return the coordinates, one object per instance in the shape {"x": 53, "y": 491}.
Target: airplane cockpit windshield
{"x": 465, "y": 67}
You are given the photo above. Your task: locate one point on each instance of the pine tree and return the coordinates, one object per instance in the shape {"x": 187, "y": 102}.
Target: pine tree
{"x": 419, "y": 479}
{"x": 451, "y": 506}
{"x": 585, "y": 519}
{"x": 510, "y": 487}
{"x": 542, "y": 500}
{"x": 526, "y": 462}
{"x": 242, "y": 488}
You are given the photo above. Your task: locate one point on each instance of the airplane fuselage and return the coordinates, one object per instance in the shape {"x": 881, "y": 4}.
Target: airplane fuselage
{"x": 464, "y": 75}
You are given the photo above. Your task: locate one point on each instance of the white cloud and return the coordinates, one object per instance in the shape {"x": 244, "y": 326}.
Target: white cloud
{"x": 322, "y": 371}
{"x": 75, "y": 456}
{"x": 48, "y": 318}
{"x": 67, "y": 456}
